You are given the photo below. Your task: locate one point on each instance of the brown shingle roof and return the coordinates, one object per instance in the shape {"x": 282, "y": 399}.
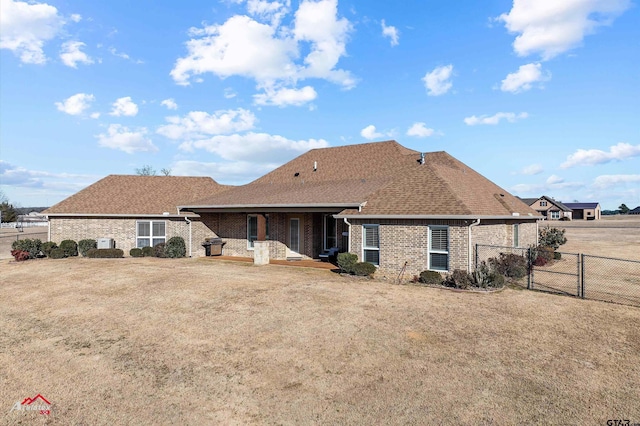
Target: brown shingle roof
{"x": 136, "y": 195}
{"x": 385, "y": 175}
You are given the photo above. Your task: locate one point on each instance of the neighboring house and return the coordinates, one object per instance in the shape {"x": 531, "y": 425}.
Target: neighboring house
{"x": 549, "y": 208}
{"x": 585, "y": 211}
{"x": 32, "y": 219}
{"x": 384, "y": 202}
{"x": 635, "y": 211}
{"x": 135, "y": 211}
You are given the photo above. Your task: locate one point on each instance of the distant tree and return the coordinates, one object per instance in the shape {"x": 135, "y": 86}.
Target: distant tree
{"x": 8, "y": 212}
{"x": 165, "y": 172}
{"x": 623, "y": 208}
{"x": 146, "y": 170}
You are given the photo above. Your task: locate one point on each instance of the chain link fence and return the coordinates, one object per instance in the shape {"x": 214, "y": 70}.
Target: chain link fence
{"x": 579, "y": 275}
{"x": 6, "y": 239}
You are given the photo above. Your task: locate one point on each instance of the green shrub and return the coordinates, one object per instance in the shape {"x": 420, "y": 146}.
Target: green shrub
{"x": 148, "y": 251}
{"x": 551, "y": 237}
{"x": 69, "y": 247}
{"x": 485, "y": 276}
{"x": 20, "y": 255}
{"x": 510, "y": 265}
{"x": 85, "y": 245}
{"x": 346, "y": 262}
{"x": 557, "y": 255}
{"x": 364, "y": 269}
{"x": 458, "y": 279}
{"x": 47, "y": 247}
{"x": 175, "y": 247}
{"x": 32, "y": 246}
{"x": 135, "y": 252}
{"x": 57, "y": 253}
{"x": 110, "y": 253}
{"x": 430, "y": 277}
{"x": 159, "y": 250}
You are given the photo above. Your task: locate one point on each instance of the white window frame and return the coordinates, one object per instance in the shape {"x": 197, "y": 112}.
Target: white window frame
{"x": 543, "y": 204}
{"x": 435, "y": 251}
{"x": 555, "y": 214}
{"x": 150, "y": 237}
{"x": 366, "y": 248}
{"x": 516, "y": 235}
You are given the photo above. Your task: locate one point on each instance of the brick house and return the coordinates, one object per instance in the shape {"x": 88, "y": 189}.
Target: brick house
{"x": 384, "y": 202}
{"x": 135, "y": 211}
{"x": 549, "y": 208}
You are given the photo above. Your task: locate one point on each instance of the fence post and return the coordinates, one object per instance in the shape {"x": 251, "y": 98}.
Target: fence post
{"x": 476, "y": 264}
{"x": 582, "y": 275}
{"x": 529, "y": 268}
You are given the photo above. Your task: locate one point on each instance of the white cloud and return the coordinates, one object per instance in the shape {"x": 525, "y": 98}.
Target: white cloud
{"x": 607, "y": 181}
{"x": 591, "y": 157}
{"x": 533, "y": 169}
{"x": 233, "y": 173}
{"x": 76, "y": 17}
{"x": 12, "y": 175}
{"x": 554, "y": 179}
{"x": 71, "y": 54}
{"x": 391, "y": 32}
{"x": 258, "y": 147}
{"x": 370, "y": 133}
{"x": 437, "y": 81}
{"x": 169, "y": 103}
{"x": 283, "y": 97}
{"x": 26, "y": 27}
{"x": 524, "y": 78}
{"x": 269, "y": 52}
{"x": 115, "y": 52}
{"x": 420, "y": 130}
{"x": 95, "y": 115}
{"x": 495, "y": 119}
{"x": 200, "y": 125}
{"x": 553, "y": 27}
{"x": 124, "y": 106}
{"x": 229, "y": 93}
{"x": 76, "y": 104}
{"x": 129, "y": 141}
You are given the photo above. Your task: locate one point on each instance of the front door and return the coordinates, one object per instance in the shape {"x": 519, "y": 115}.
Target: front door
{"x": 295, "y": 237}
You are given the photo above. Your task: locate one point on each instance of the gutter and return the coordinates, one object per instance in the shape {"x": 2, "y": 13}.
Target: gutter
{"x": 470, "y": 248}
{"x": 189, "y": 222}
{"x": 106, "y": 215}
{"x": 433, "y": 216}
{"x": 348, "y": 236}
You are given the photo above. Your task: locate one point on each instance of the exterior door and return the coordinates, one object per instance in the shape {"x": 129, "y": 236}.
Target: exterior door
{"x": 295, "y": 237}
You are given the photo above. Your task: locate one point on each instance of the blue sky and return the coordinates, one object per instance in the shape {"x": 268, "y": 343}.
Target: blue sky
{"x": 541, "y": 97}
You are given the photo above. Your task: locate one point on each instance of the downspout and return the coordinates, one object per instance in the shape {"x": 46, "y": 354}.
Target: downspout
{"x": 49, "y": 229}
{"x": 348, "y": 235}
{"x": 470, "y": 248}
{"x": 189, "y": 222}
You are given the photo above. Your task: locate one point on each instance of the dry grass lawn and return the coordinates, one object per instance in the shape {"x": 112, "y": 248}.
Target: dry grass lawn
{"x": 161, "y": 341}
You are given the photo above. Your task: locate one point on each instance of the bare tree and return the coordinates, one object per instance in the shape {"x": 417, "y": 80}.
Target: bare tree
{"x": 165, "y": 172}
{"x": 146, "y": 170}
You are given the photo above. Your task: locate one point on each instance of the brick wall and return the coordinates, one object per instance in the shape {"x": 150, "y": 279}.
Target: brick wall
{"x": 408, "y": 241}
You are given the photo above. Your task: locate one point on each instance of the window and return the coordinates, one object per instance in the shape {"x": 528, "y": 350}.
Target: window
{"x": 516, "y": 235}
{"x": 150, "y": 233}
{"x": 543, "y": 204}
{"x": 371, "y": 244}
{"x": 252, "y": 229}
{"x": 439, "y": 248}
{"x": 555, "y": 215}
